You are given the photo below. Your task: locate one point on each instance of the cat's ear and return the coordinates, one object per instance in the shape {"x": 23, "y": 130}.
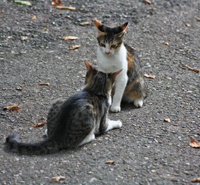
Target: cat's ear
{"x": 97, "y": 23}
{"x": 124, "y": 26}
{"x": 114, "y": 75}
{"x": 88, "y": 66}
{"x": 99, "y": 26}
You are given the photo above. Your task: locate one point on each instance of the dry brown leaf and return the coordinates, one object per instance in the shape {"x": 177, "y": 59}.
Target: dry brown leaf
{"x": 110, "y": 162}
{"x": 196, "y": 180}
{"x": 70, "y": 38}
{"x": 194, "y": 143}
{"x": 149, "y": 76}
{"x": 197, "y": 18}
{"x": 167, "y": 120}
{"x": 33, "y": 17}
{"x": 1, "y": 11}
{"x": 84, "y": 23}
{"x": 74, "y": 47}
{"x": 66, "y": 7}
{"x": 56, "y": 3}
{"x": 14, "y": 107}
{"x": 39, "y": 124}
{"x": 58, "y": 178}
{"x": 44, "y": 84}
{"x": 147, "y": 2}
{"x": 19, "y": 88}
{"x": 193, "y": 69}
{"x": 166, "y": 43}
{"x": 5, "y": 89}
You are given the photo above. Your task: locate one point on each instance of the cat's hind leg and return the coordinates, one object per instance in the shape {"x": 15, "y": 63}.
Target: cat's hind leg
{"x": 113, "y": 124}
{"x": 135, "y": 92}
{"x": 90, "y": 137}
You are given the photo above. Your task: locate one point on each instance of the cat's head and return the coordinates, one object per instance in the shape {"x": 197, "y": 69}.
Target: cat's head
{"x": 98, "y": 82}
{"x": 110, "y": 39}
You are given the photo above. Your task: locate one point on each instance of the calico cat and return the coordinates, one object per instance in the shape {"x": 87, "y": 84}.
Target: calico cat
{"x": 76, "y": 121}
{"x": 113, "y": 54}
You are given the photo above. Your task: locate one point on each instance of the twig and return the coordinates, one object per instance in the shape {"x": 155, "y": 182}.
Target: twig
{"x": 193, "y": 69}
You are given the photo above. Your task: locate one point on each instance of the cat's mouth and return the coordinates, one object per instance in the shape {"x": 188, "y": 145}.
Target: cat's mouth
{"x": 107, "y": 53}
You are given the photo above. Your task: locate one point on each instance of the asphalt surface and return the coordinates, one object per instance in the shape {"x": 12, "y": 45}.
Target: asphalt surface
{"x": 146, "y": 150}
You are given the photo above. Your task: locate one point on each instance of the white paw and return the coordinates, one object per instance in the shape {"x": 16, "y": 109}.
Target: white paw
{"x": 115, "y": 108}
{"x": 138, "y": 102}
{"x": 118, "y": 124}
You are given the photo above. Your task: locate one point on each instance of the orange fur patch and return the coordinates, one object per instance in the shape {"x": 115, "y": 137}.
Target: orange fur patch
{"x": 134, "y": 95}
{"x": 100, "y": 33}
{"x": 130, "y": 93}
{"x": 130, "y": 60}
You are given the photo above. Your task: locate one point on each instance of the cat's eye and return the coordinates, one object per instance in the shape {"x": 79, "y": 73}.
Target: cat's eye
{"x": 113, "y": 45}
{"x": 102, "y": 45}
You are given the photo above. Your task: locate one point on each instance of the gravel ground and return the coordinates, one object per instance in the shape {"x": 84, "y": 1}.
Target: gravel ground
{"x": 146, "y": 150}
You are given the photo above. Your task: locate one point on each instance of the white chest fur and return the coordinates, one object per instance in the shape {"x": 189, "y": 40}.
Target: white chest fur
{"x": 112, "y": 62}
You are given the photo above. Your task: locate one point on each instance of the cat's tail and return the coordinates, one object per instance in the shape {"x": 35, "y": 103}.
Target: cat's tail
{"x": 48, "y": 146}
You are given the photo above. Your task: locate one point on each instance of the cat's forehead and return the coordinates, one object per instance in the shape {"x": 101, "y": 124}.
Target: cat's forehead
{"x": 108, "y": 37}
{"x": 110, "y": 30}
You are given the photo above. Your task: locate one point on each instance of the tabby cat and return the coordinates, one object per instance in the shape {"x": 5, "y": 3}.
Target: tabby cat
{"x": 76, "y": 121}
{"x": 113, "y": 54}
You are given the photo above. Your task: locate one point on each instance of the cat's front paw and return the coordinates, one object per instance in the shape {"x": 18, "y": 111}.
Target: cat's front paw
{"x": 115, "y": 108}
{"x": 118, "y": 124}
{"x": 138, "y": 102}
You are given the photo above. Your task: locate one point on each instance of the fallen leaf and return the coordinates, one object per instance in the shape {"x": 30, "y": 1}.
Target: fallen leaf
{"x": 14, "y": 107}
{"x": 149, "y": 76}
{"x": 70, "y": 38}
{"x": 166, "y": 43}
{"x": 4, "y": 89}
{"x": 45, "y": 29}
{"x": 84, "y": 23}
{"x": 40, "y": 124}
{"x": 9, "y": 37}
{"x": 1, "y": 11}
{"x": 167, "y": 120}
{"x": 197, "y": 18}
{"x": 110, "y": 162}
{"x": 66, "y": 7}
{"x": 194, "y": 143}
{"x": 188, "y": 25}
{"x": 196, "y": 180}
{"x": 22, "y": 2}
{"x": 19, "y": 88}
{"x": 56, "y": 3}
{"x": 193, "y": 69}
{"x": 58, "y": 178}
{"x": 147, "y": 2}
{"x": 74, "y": 47}
{"x": 33, "y": 17}
{"x": 44, "y": 84}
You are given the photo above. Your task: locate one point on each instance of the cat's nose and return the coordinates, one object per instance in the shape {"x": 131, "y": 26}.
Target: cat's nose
{"x": 107, "y": 53}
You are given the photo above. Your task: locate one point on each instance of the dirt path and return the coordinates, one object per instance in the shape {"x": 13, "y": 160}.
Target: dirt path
{"x": 146, "y": 150}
